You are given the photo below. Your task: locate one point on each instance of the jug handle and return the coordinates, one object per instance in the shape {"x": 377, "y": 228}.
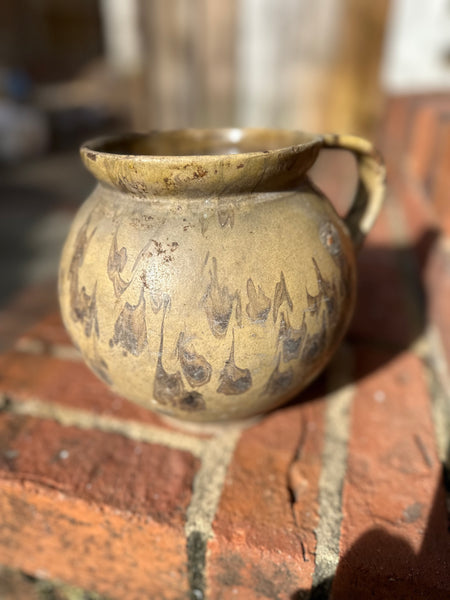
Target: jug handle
{"x": 370, "y": 192}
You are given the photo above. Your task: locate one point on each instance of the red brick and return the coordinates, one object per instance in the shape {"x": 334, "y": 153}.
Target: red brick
{"x": 440, "y": 185}
{"x": 24, "y": 308}
{"x": 422, "y": 185}
{"x": 404, "y": 192}
{"x": 423, "y": 140}
{"x": 380, "y": 314}
{"x": 421, "y": 225}
{"x": 395, "y": 126}
{"x": 48, "y": 331}
{"x": 100, "y": 549}
{"x": 89, "y": 464}
{"x": 264, "y": 540}
{"x": 426, "y": 127}
{"x": 380, "y": 234}
{"x": 394, "y": 539}
{"x": 399, "y": 136}
{"x": 422, "y": 234}
{"x": 94, "y": 509}
{"x": 438, "y": 288}
{"x": 67, "y": 383}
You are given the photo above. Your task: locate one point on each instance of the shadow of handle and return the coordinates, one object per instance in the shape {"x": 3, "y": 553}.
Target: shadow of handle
{"x": 371, "y": 183}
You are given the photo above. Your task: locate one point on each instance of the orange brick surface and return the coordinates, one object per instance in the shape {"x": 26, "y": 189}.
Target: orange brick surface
{"x": 269, "y": 507}
{"x": 394, "y": 537}
{"x": 66, "y": 382}
{"x": 49, "y": 535}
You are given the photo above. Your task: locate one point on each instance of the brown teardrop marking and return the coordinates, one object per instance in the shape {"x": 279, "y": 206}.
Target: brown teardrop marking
{"x": 345, "y": 284}
{"x": 259, "y": 304}
{"x": 81, "y": 243}
{"x": 195, "y": 367}
{"x": 281, "y": 295}
{"x": 218, "y": 304}
{"x": 192, "y": 402}
{"x": 117, "y": 259}
{"x": 327, "y": 292}
{"x": 225, "y": 214}
{"x": 332, "y": 306}
{"x": 330, "y": 238}
{"x": 168, "y": 388}
{"x": 313, "y": 303}
{"x": 130, "y": 329}
{"x": 83, "y": 306}
{"x": 315, "y": 343}
{"x": 233, "y": 380}
{"x": 85, "y": 311}
{"x": 291, "y": 339}
{"x": 279, "y": 381}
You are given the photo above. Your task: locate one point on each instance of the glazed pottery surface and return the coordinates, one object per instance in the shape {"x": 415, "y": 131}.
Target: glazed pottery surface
{"x": 206, "y": 277}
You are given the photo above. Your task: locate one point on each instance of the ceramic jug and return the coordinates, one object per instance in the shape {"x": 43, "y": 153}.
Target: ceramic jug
{"x": 206, "y": 277}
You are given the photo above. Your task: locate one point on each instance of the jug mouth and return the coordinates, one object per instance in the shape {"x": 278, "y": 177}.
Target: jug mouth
{"x": 202, "y": 161}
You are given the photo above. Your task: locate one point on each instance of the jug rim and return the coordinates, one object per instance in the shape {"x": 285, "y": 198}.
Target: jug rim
{"x": 201, "y": 161}
{"x": 108, "y": 144}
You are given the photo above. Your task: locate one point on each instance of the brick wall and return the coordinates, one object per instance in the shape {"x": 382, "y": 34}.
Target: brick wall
{"x": 346, "y": 490}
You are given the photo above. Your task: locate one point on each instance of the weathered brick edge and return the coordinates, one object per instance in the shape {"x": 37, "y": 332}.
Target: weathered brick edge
{"x": 416, "y": 147}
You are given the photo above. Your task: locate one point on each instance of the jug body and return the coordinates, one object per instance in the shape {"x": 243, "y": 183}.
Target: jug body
{"x": 207, "y": 303}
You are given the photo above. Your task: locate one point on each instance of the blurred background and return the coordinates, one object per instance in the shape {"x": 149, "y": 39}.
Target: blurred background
{"x": 73, "y": 69}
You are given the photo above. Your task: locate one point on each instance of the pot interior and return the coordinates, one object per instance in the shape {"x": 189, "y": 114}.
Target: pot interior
{"x": 200, "y": 142}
